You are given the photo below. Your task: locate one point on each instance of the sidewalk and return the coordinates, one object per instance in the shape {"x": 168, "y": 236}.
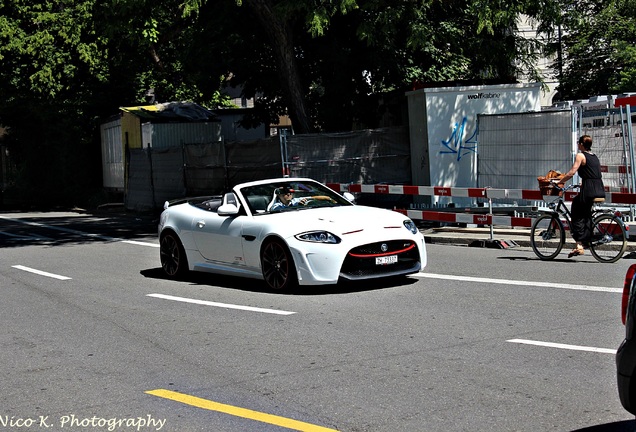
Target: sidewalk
{"x": 501, "y": 238}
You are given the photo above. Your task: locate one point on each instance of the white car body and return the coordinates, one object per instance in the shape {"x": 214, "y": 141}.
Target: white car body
{"x": 230, "y": 239}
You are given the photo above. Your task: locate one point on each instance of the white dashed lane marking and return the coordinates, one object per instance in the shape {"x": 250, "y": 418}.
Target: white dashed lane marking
{"x": 40, "y": 272}
{"x": 220, "y": 305}
{"x": 563, "y": 346}
{"x": 520, "y": 282}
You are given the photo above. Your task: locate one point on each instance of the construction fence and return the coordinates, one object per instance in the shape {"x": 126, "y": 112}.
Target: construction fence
{"x": 513, "y": 150}
{"x": 157, "y": 175}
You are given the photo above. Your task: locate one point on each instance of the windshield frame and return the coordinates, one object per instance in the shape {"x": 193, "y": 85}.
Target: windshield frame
{"x": 253, "y": 196}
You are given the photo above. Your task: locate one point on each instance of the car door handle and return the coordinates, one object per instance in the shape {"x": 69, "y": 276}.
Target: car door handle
{"x": 200, "y": 224}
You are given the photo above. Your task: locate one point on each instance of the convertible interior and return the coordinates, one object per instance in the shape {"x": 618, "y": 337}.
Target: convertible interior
{"x": 258, "y": 203}
{"x": 211, "y": 204}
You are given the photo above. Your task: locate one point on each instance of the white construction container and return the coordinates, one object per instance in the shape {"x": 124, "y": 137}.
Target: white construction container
{"x": 443, "y": 128}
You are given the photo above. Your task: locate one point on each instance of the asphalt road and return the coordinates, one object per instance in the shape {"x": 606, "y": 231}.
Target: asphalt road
{"x": 94, "y": 338}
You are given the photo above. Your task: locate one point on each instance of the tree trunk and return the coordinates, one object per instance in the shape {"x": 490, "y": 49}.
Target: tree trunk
{"x": 282, "y": 43}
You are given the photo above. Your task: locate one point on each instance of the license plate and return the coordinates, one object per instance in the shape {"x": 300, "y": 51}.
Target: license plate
{"x": 383, "y": 260}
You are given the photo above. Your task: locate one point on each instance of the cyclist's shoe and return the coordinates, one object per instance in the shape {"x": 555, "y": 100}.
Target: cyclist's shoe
{"x": 576, "y": 252}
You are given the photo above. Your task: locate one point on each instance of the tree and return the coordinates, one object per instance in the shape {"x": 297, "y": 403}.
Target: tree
{"x": 335, "y": 58}
{"x": 68, "y": 64}
{"x": 282, "y": 43}
{"x": 598, "y": 44}
{"x": 50, "y": 56}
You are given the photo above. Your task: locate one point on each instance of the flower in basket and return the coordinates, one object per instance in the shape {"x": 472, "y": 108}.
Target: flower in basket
{"x": 546, "y": 183}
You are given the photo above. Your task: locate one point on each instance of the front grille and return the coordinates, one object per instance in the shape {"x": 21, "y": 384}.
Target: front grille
{"x": 360, "y": 262}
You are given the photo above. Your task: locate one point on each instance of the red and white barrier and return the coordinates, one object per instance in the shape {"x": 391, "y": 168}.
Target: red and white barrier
{"x": 615, "y": 169}
{"x": 466, "y": 217}
{"x": 519, "y": 194}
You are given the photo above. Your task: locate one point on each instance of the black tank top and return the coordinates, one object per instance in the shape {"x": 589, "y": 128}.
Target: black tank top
{"x": 591, "y": 177}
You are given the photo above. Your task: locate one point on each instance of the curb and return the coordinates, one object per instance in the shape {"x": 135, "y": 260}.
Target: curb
{"x": 471, "y": 237}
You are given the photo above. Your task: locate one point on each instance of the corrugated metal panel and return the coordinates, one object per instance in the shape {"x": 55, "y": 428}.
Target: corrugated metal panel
{"x": 112, "y": 155}
{"x": 170, "y": 135}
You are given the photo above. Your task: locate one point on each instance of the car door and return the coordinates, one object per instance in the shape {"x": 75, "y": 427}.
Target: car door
{"x": 218, "y": 238}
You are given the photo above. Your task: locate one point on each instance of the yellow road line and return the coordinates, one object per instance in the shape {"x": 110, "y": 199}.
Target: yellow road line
{"x": 238, "y": 412}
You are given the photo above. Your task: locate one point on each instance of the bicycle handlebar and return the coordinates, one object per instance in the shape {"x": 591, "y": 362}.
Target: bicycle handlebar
{"x": 555, "y": 184}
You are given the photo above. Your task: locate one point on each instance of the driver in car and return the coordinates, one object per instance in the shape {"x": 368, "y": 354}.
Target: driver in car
{"x": 285, "y": 199}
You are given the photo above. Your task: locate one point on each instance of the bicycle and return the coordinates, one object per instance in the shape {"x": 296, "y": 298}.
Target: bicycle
{"x": 609, "y": 235}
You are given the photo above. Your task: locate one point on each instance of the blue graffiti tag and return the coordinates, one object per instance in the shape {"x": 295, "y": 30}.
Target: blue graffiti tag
{"x": 454, "y": 143}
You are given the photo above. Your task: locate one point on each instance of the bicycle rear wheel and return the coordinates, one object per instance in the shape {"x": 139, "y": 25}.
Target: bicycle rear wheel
{"x": 609, "y": 238}
{"x": 547, "y": 236}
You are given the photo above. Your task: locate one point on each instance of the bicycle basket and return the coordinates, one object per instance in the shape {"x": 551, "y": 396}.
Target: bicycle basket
{"x": 545, "y": 186}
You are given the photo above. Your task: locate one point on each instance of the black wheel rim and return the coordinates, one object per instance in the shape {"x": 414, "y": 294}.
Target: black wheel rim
{"x": 276, "y": 265}
{"x": 170, "y": 255}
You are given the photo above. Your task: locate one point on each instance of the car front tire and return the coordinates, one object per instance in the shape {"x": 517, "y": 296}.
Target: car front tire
{"x": 278, "y": 266}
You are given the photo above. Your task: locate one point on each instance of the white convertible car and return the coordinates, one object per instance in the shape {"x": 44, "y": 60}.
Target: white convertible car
{"x": 287, "y": 232}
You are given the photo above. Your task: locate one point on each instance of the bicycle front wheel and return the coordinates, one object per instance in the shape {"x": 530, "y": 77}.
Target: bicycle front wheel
{"x": 609, "y": 238}
{"x": 547, "y": 236}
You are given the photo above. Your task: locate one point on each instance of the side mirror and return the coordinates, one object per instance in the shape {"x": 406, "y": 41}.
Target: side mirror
{"x": 349, "y": 197}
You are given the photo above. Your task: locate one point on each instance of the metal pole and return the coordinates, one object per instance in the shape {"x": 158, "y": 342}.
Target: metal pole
{"x": 577, "y": 131}
{"x": 282, "y": 139}
{"x": 630, "y": 185}
{"x": 492, "y": 229}
{"x": 630, "y": 138}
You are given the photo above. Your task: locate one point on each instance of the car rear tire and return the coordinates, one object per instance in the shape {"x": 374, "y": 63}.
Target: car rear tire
{"x": 173, "y": 258}
{"x": 278, "y": 266}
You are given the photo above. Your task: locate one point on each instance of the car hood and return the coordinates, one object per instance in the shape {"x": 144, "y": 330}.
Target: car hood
{"x": 339, "y": 220}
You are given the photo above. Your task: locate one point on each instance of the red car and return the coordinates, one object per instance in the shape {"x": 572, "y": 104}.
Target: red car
{"x": 626, "y": 354}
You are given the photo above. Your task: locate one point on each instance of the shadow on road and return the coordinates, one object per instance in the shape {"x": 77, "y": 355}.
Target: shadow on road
{"x": 255, "y": 285}
{"x": 536, "y": 259}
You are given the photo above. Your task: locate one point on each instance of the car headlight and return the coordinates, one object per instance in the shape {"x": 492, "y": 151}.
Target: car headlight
{"x": 318, "y": 237}
{"x": 410, "y": 225}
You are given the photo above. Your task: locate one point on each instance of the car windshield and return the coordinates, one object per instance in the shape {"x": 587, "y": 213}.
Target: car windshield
{"x": 290, "y": 196}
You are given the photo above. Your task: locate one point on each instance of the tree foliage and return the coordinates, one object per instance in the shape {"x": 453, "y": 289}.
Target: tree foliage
{"x": 354, "y": 50}
{"x": 51, "y": 57}
{"x": 598, "y": 40}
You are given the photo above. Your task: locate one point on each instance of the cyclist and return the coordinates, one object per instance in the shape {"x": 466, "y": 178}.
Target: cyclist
{"x": 588, "y": 166}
